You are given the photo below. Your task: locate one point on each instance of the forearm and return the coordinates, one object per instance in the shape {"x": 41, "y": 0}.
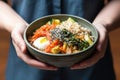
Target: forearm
{"x": 109, "y": 16}
{"x": 9, "y": 18}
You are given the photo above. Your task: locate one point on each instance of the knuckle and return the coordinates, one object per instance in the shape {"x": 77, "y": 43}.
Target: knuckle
{"x": 29, "y": 63}
{"x": 19, "y": 55}
{"x": 12, "y": 34}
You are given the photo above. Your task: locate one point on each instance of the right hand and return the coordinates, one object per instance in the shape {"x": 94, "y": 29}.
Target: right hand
{"x": 21, "y": 50}
{"x": 100, "y": 49}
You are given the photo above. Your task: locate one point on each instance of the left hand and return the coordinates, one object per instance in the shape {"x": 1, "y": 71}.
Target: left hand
{"x": 100, "y": 49}
{"x": 21, "y": 49}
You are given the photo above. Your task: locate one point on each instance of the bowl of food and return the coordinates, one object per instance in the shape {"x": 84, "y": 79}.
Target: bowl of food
{"x": 61, "y": 40}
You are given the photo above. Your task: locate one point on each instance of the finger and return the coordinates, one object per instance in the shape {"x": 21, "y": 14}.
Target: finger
{"x": 27, "y": 59}
{"x": 87, "y": 63}
{"x": 40, "y": 65}
{"x": 17, "y": 36}
{"x": 21, "y": 50}
{"x": 103, "y": 36}
{"x": 18, "y": 39}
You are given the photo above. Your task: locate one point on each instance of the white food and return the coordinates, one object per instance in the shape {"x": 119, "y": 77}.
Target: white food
{"x": 41, "y": 43}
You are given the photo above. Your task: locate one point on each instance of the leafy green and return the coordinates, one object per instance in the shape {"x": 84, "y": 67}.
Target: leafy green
{"x": 66, "y": 36}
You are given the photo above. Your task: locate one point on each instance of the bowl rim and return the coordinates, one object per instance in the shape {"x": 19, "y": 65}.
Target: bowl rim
{"x": 53, "y": 15}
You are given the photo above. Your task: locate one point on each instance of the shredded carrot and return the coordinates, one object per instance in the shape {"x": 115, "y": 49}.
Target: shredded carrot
{"x": 53, "y": 44}
{"x": 62, "y": 49}
{"x": 43, "y": 31}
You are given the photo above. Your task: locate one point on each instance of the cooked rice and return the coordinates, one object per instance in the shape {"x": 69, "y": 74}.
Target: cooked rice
{"x": 75, "y": 28}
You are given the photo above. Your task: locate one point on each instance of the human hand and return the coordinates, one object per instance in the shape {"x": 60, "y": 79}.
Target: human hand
{"x": 21, "y": 50}
{"x": 100, "y": 49}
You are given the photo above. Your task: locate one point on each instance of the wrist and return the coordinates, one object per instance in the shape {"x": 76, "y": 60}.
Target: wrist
{"x": 102, "y": 24}
{"x": 19, "y": 26}
{"x": 11, "y": 27}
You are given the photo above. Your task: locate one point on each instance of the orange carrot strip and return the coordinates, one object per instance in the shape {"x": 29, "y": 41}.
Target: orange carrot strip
{"x": 53, "y": 44}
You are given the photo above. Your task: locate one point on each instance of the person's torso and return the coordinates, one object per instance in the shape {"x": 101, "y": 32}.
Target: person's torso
{"x": 33, "y": 9}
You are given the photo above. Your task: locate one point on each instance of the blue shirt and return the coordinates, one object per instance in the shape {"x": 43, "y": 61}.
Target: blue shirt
{"x": 33, "y": 9}
{"x": 30, "y": 10}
